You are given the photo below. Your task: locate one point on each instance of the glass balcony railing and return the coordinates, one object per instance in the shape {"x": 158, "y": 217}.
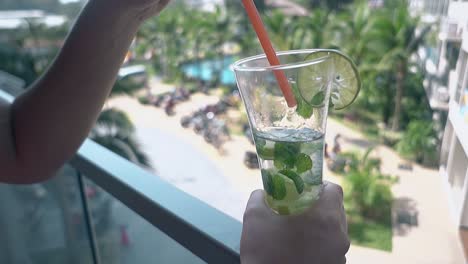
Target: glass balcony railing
{"x": 100, "y": 208}
{"x": 44, "y": 223}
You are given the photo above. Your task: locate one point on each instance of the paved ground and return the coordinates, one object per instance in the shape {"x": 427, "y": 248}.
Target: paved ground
{"x": 184, "y": 159}
{"x": 433, "y": 240}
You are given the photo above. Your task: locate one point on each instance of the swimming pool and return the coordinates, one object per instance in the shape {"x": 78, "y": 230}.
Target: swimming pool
{"x": 206, "y": 69}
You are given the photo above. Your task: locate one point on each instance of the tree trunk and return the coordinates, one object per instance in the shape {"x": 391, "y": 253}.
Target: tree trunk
{"x": 197, "y": 54}
{"x": 164, "y": 60}
{"x": 388, "y": 103}
{"x": 400, "y": 78}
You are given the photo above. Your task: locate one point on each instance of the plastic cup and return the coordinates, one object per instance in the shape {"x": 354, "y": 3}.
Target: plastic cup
{"x": 289, "y": 141}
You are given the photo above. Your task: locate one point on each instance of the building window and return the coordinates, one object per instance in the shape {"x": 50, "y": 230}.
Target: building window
{"x": 453, "y": 51}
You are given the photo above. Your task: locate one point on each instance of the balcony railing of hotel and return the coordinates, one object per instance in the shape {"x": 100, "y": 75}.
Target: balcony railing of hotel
{"x": 450, "y": 30}
{"x": 435, "y": 83}
{"x": 100, "y": 208}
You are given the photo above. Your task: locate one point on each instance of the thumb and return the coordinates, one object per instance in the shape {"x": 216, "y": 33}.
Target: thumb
{"x": 257, "y": 204}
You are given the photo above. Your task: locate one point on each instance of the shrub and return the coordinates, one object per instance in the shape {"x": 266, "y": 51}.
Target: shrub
{"x": 368, "y": 191}
{"x": 419, "y": 142}
{"x": 144, "y": 100}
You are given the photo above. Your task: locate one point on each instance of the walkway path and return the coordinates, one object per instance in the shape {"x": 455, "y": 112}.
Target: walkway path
{"x": 433, "y": 240}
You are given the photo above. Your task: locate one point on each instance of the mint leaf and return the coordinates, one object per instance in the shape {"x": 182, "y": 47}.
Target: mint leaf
{"x": 279, "y": 187}
{"x": 303, "y": 109}
{"x": 267, "y": 182}
{"x": 266, "y": 153}
{"x": 318, "y": 99}
{"x": 303, "y": 163}
{"x": 259, "y": 142}
{"x": 279, "y": 164}
{"x": 298, "y": 182}
{"x": 286, "y": 153}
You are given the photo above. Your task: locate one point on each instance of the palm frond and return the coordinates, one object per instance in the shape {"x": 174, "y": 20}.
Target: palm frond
{"x": 126, "y": 147}
{"x": 115, "y": 121}
{"x": 418, "y": 40}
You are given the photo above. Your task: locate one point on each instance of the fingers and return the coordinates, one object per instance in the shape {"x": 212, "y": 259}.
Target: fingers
{"x": 331, "y": 197}
{"x": 343, "y": 260}
{"x": 256, "y": 199}
{"x": 331, "y": 200}
{"x": 332, "y": 192}
{"x": 256, "y": 204}
{"x": 330, "y": 204}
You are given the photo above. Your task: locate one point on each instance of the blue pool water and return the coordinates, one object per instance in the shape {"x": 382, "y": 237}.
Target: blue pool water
{"x": 206, "y": 69}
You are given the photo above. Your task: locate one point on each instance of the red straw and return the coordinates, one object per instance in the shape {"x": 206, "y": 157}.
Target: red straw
{"x": 262, "y": 35}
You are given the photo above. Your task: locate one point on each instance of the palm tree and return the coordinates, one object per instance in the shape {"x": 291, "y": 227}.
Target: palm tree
{"x": 18, "y": 63}
{"x": 197, "y": 35}
{"x": 349, "y": 29}
{"x": 352, "y": 33}
{"x": 115, "y": 131}
{"x": 394, "y": 38}
{"x": 164, "y": 36}
{"x": 280, "y": 28}
{"x": 296, "y": 32}
{"x": 222, "y": 34}
{"x": 329, "y": 4}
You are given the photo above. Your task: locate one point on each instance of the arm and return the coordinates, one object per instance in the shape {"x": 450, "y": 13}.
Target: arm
{"x": 44, "y": 127}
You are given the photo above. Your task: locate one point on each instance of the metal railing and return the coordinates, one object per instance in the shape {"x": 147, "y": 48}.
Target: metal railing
{"x": 208, "y": 233}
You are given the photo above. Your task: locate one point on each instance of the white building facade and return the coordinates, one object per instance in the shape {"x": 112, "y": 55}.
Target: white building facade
{"x": 446, "y": 84}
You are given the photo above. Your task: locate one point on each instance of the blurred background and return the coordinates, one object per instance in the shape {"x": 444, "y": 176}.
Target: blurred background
{"x": 401, "y": 148}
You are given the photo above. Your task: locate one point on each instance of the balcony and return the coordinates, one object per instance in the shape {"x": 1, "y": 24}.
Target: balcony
{"x": 465, "y": 38}
{"x": 460, "y": 126}
{"x": 100, "y": 208}
{"x": 450, "y": 30}
{"x": 438, "y": 97}
{"x": 437, "y": 87}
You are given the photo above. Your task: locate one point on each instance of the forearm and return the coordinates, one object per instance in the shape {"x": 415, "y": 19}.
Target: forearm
{"x": 60, "y": 108}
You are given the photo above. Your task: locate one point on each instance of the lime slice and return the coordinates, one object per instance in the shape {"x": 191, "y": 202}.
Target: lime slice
{"x": 345, "y": 86}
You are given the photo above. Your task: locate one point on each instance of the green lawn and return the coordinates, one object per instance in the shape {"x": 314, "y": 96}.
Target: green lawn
{"x": 366, "y": 123}
{"x": 368, "y": 233}
{"x": 363, "y": 125}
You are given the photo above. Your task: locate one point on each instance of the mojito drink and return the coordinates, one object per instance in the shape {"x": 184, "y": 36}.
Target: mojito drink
{"x": 291, "y": 166}
{"x": 290, "y": 140}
